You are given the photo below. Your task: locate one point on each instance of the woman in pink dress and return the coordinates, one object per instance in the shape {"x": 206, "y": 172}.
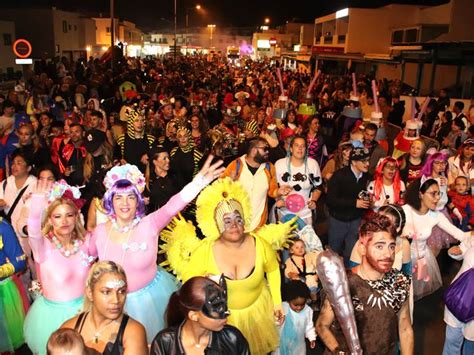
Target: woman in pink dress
{"x": 61, "y": 251}
{"x": 130, "y": 239}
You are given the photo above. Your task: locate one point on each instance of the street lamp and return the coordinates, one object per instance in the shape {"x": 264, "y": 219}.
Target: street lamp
{"x": 197, "y": 7}
{"x": 211, "y": 27}
{"x": 267, "y": 20}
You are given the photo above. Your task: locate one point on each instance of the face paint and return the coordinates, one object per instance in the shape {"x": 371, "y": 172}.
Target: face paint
{"x": 232, "y": 219}
{"x": 115, "y": 284}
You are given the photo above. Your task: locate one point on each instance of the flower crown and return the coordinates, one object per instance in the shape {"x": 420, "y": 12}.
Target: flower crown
{"x": 61, "y": 189}
{"x": 125, "y": 172}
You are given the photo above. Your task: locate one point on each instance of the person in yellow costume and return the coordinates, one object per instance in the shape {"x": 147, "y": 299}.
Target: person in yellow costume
{"x": 244, "y": 258}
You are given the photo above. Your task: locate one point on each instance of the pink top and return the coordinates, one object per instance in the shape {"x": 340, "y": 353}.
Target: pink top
{"x": 138, "y": 254}
{"x": 62, "y": 278}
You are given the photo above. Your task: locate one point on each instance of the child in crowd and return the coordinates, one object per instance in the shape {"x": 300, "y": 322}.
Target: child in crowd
{"x": 462, "y": 204}
{"x": 298, "y": 323}
{"x": 66, "y": 341}
{"x": 302, "y": 266}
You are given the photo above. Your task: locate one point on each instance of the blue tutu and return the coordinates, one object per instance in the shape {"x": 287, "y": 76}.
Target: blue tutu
{"x": 148, "y": 305}
{"x": 44, "y": 318}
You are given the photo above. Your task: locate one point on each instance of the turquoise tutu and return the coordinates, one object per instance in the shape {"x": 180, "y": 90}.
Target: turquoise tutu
{"x": 148, "y": 305}
{"x": 12, "y": 315}
{"x": 45, "y": 317}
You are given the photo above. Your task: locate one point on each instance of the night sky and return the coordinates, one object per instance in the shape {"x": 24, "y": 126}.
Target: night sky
{"x": 155, "y": 14}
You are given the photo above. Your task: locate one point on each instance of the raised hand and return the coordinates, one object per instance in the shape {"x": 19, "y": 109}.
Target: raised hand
{"x": 43, "y": 187}
{"x": 211, "y": 172}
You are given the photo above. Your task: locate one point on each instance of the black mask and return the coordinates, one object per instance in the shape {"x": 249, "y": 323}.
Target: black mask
{"x": 215, "y": 305}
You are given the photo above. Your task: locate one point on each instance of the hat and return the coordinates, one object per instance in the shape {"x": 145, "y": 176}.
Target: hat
{"x": 469, "y": 141}
{"x": 285, "y": 133}
{"x": 94, "y": 139}
{"x": 232, "y": 111}
{"x": 375, "y": 117}
{"x": 352, "y": 112}
{"x": 354, "y": 98}
{"x": 412, "y": 124}
{"x": 360, "y": 154}
{"x": 241, "y": 93}
{"x": 283, "y": 98}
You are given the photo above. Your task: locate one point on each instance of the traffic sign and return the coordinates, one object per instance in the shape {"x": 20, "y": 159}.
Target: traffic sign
{"x": 22, "y": 48}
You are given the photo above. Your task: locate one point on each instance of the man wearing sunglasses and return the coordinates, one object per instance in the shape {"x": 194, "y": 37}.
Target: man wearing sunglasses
{"x": 257, "y": 175}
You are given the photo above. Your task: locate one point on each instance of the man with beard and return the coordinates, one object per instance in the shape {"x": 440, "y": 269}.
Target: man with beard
{"x": 376, "y": 151}
{"x": 72, "y": 154}
{"x": 135, "y": 144}
{"x": 379, "y": 295}
{"x": 257, "y": 175}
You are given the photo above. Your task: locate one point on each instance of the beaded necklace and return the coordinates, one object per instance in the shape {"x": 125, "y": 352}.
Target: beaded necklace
{"x": 126, "y": 228}
{"x": 66, "y": 252}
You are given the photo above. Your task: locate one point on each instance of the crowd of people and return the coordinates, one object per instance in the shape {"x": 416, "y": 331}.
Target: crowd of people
{"x": 169, "y": 207}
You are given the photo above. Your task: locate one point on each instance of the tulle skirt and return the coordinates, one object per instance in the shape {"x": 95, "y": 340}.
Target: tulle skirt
{"x": 44, "y": 318}
{"x": 439, "y": 239}
{"x": 257, "y": 324}
{"x": 12, "y": 316}
{"x": 148, "y": 305}
{"x": 426, "y": 275}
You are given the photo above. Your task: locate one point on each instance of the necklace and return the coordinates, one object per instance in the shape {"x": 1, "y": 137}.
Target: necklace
{"x": 67, "y": 253}
{"x": 98, "y": 333}
{"x": 126, "y": 228}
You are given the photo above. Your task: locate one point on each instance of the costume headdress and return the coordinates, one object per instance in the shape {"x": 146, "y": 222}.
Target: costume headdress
{"x": 61, "y": 189}
{"x": 125, "y": 172}
{"x": 221, "y": 197}
{"x": 413, "y": 123}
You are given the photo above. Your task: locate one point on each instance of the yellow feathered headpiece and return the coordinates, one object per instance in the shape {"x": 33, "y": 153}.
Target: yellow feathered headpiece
{"x": 221, "y": 197}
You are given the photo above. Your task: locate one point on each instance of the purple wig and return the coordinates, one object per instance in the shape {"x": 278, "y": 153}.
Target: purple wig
{"x": 427, "y": 169}
{"x": 121, "y": 187}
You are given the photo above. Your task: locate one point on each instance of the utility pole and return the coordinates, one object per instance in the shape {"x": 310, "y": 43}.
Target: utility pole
{"x": 112, "y": 35}
{"x": 175, "y": 28}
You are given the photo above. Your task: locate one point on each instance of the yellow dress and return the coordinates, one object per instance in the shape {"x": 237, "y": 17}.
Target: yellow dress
{"x": 251, "y": 300}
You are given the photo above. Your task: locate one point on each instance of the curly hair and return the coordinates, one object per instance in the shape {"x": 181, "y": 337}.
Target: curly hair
{"x": 377, "y": 223}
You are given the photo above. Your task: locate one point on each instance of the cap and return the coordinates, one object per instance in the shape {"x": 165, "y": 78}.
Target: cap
{"x": 283, "y": 98}
{"x": 469, "y": 141}
{"x": 360, "y": 154}
{"x": 352, "y": 112}
{"x": 285, "y": 133}
{"x": 94, "y": 139}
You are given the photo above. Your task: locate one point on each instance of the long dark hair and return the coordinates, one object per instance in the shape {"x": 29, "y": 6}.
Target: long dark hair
{"x": 412, "y": 195}
{"x": 190, "y": 297}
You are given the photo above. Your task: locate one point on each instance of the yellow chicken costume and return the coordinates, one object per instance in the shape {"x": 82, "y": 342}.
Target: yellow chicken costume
{"x": 251, "y": 300}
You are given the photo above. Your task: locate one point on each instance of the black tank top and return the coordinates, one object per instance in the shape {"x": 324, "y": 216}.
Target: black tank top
{"x": 115, "y": 348}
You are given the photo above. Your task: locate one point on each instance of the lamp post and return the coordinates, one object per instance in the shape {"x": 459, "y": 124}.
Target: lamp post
{"x": 211, "y": 27}
{"x": 175, "y": 29}
{"x": 197, "y": 7}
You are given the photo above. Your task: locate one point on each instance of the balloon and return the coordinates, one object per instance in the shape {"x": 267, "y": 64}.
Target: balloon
{"x": 333, "y": 276}
{"x": 294, "y": 203}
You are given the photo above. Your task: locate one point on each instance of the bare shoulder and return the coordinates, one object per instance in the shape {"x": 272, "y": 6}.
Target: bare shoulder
{"x": 134, "y": 328}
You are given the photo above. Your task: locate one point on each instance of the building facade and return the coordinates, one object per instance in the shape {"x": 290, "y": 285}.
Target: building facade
{"x": 7, "y": 57}
{"x": 427, "y": 47}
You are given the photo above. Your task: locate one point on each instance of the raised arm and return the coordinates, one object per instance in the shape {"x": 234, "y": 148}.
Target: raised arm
{"x": 160, "y": 218}
{"x": 37, "y": 205}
